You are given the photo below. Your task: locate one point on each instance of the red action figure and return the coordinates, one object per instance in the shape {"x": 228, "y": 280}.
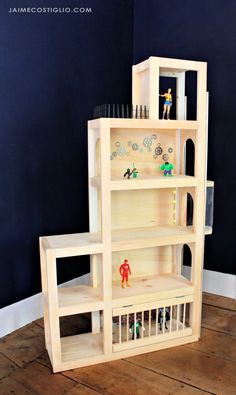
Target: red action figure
{"x": 124, "y": 272}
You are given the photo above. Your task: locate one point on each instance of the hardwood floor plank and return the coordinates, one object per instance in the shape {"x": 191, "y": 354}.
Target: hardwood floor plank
{"x": 213, "y": 374}
{"x": 35, "y": 379}
{"x": 23, "y": 345}
{"x": 80, "y": 389}
{"x": 122, "y": 377}
{"x": 6, "y": 366}
{"x": 219, "y": 301}
{"x": 218, "y": 319}
{"x": 44, "y": 360}
{"x": 215, "y": 343}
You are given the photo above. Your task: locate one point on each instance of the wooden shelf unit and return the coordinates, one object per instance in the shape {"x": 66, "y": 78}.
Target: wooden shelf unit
{"x": 145, "y": 220}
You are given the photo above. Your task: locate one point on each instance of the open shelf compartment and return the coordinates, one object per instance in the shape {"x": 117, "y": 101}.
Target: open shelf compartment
{"x": 81, "y": 336}
{"x": 153, "y": 273}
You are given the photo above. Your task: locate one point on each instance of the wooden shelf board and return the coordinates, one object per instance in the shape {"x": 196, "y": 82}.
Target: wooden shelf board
{"x": 74, "y": 348}
{"x": 127, "y": 239}
{"x": 147, "y": 182}
{"x": 145, "y": 124}
{"x": 81, "y": 298}
{"x": 73, "y": 244}
{"x": 150, "y": 288}
{"x": 153, "y": 124}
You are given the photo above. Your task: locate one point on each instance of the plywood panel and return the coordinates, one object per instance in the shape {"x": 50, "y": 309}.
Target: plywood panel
{"x": 138, "y": 147}
{"x": 130, "y": 209}
{"x": 144, "y": 262}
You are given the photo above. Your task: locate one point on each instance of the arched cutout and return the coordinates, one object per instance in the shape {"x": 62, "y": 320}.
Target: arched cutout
{"x": 186, "y": 267}
{"x": 189, "y": 157}
{"x": 187, "y": 210}
{"x": 190, "y": 206}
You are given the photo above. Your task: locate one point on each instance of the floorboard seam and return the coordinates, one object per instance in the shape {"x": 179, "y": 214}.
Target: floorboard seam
{"x": 207, "y": 353}
{"x": 11, "y": 360}
{"x": 218, "y": 331}
{"x": 84, "y": 385}
{"x": 40, "y": 326}
{"x": 170, "y": 377}
{"x": 219, "y": 307}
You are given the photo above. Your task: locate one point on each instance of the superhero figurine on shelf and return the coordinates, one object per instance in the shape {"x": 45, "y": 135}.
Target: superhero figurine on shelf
{"x": 167, "y": 167}
{"x": 163, "y": 317}
{"x": 124, "y": 272}
{"x": 135, "y": 328}
{"x": 167, "y": 104}
{"x": 129, "y": 173}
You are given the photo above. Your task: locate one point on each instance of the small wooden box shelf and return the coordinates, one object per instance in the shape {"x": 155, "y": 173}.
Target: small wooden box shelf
{"x": 149, "y": 220}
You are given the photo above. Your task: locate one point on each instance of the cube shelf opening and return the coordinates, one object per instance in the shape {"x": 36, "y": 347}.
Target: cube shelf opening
{"x": 81, "y": 336}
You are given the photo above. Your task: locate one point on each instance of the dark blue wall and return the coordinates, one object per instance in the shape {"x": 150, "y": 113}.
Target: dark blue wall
{"x": 202, "y": 30}
{"x": 54, "y": 68}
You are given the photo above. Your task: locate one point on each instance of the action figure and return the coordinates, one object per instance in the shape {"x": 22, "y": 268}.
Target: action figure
{"x": 167, "y": 103}
{"x": 128, "y": 173}
{"x": 136, "y": 328}
{"x": 124, "y": 272}
{"x": 163, "y": 317}
{"x": 135, "y": 172}
{"x": 167, "y": 167}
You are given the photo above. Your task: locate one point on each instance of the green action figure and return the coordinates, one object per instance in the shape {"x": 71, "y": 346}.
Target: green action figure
{"x": 167, "y": 167}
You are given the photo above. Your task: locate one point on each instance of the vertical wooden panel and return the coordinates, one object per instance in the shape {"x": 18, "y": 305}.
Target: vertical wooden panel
{"x": 106, "y": 231}
{"x": 53, "y": 308}
{"x": 171, "y": 314}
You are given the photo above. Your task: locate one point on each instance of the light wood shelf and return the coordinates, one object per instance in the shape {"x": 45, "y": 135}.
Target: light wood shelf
{"x": 156, "y": 287}
{"x": 147, "y": 182}
{"x": 135, "y": 238}
{"x": 135, "y": 219}
{"x": 150, "y": 124}
{"x": 82, "y": 346}
{"x": 79, "y": 299}
{"x": 73, "y": 244}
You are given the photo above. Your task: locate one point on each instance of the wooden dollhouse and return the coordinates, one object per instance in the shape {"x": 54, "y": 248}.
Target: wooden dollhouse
{"x": 143, "y": 219}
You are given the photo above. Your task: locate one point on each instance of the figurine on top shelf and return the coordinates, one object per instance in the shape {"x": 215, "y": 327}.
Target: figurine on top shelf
{"x": 124, "y": 272}
{"x": 167, "y": 103}
{"x": 135, "y": 328}
{"x": 130, "y": 173}
{"x": 167, "y": 167}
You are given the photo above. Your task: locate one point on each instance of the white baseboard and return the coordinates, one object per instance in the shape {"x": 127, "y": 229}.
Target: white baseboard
{"x": 22, "y": 313}
{"x": 216, "y": 283}
{"x": 219, "y": 283}
{"x": 27, "y": 310}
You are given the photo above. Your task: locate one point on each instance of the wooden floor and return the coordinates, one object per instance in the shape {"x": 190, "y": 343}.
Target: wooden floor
{"x": 204, "y": 367}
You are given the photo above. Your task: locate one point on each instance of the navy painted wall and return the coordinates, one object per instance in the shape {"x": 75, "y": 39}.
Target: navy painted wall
{"x": 54, "y": 68}
{"x": 202, "y": 30}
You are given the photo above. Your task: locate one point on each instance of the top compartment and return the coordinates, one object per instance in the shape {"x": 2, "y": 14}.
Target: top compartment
{"x": 186, "y": 79}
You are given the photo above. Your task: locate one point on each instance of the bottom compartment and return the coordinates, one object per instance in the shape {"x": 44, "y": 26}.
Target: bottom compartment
{"x": 81, "y": 336}
{"x": 147, "y": 323}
